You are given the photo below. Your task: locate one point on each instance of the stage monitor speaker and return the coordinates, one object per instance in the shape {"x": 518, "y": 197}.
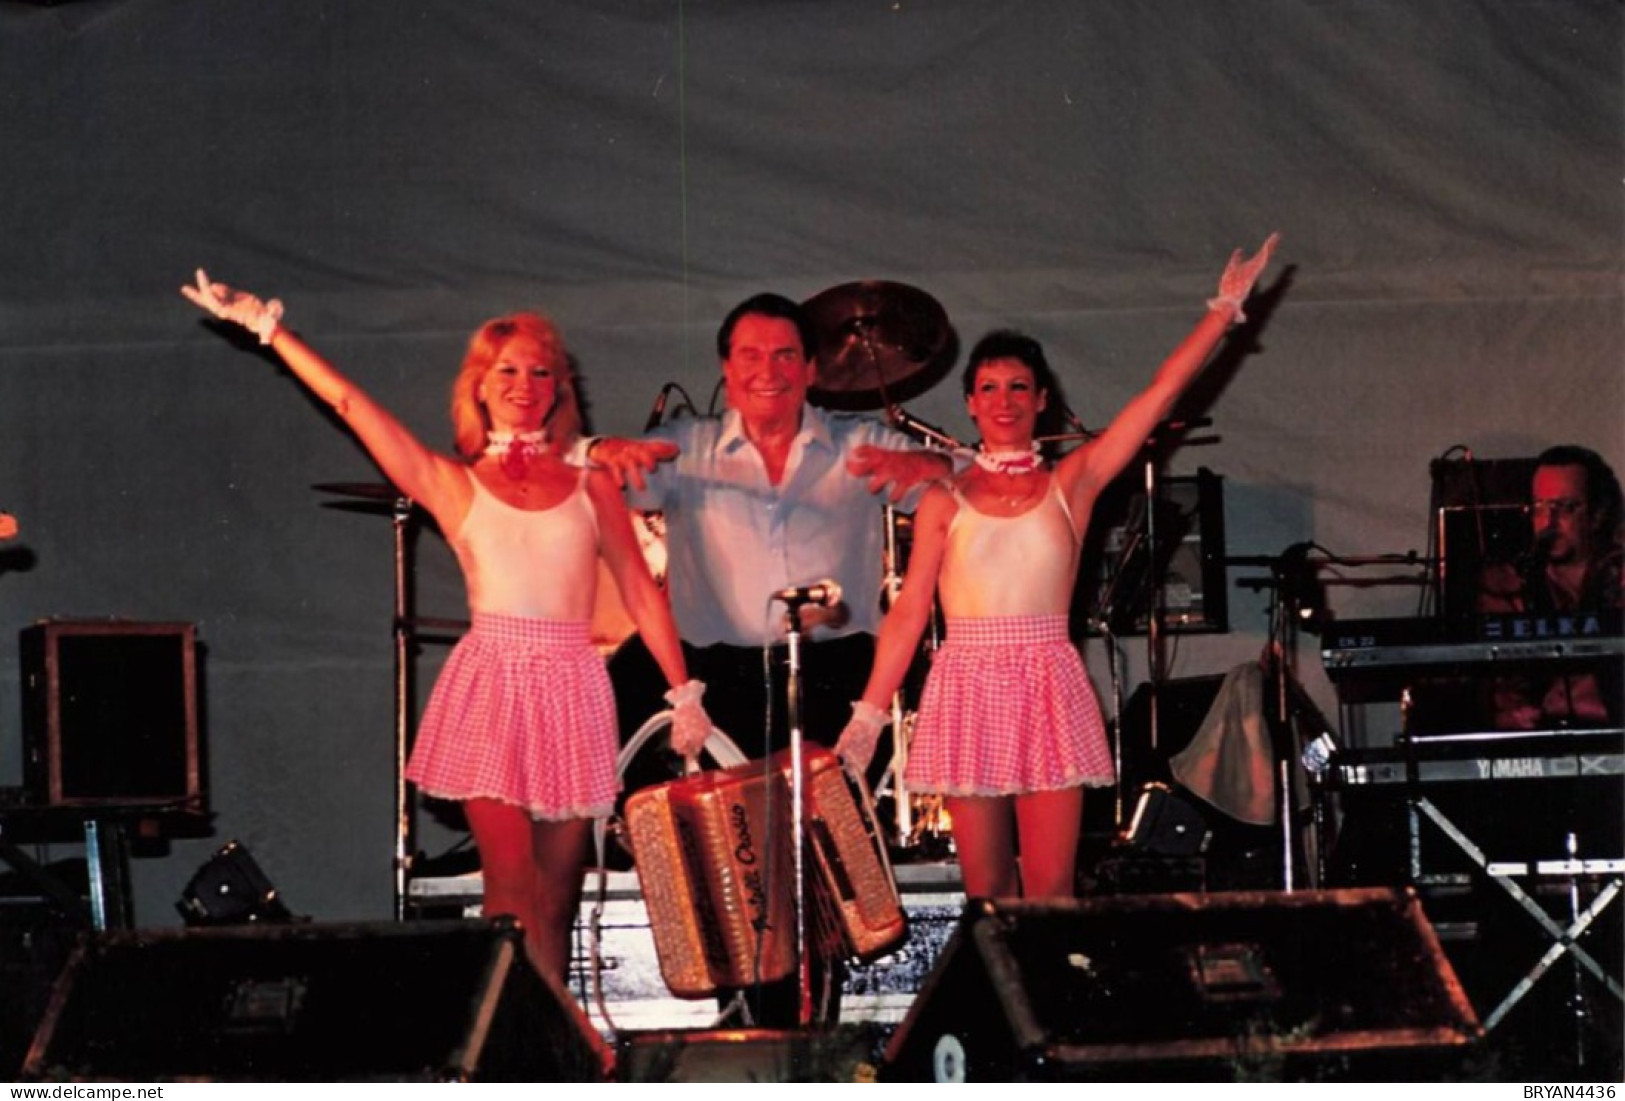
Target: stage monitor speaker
{"x": 423, "y": 1001}
{"x": 744, "y": 1055}
{"x": 110, "y": 713}
{"x": 1189, "y": 987}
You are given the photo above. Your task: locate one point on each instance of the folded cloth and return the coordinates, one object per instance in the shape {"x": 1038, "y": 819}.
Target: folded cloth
{"x": 1230, "y": 763}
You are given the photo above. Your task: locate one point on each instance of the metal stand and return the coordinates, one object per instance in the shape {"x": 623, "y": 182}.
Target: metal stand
{"x": 891, "y": 588}
{"x": 793, "y": 634}
{"x": 401, "y": 518}
{"x": 1289, "y": 607}
{"x": 1156, "y": 613}
{"x": 1564, "y": 938}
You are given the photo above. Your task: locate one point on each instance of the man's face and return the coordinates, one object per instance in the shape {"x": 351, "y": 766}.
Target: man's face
{"x": 767, "y": 371}
{"x": 1560, "y": 514}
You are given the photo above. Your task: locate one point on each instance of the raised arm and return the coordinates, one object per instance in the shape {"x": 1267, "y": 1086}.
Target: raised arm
{"x": 432, "y": 480}
{"x": 1085, "y": 471}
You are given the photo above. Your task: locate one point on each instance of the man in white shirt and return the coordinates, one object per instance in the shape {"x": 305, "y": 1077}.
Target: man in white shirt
{"x": 773, "y": 495}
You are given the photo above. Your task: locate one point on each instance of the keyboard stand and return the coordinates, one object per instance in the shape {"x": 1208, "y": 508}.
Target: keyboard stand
{"x": 1565, "y": 939}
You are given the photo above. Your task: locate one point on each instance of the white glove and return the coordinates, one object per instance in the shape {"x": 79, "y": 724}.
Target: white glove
{"x": 856, "y": 745}
{"x": 259, "y": 318}
{"x": 1239, "y": 276}
{"x": 690, "y": 725}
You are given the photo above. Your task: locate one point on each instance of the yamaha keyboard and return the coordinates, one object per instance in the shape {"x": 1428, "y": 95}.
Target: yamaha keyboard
{"x": 1485, "y": 756}
{"x": 1376, "y": 659}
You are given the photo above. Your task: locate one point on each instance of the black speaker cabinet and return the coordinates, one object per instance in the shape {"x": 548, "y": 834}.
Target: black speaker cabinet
{"x": 1223, "y": 987}
{"x": 424, "y": 1001}
{"x": 110, "y": 713}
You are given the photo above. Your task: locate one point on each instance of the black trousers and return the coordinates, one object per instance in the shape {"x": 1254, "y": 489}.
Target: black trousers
{"x": 746, "y": 699}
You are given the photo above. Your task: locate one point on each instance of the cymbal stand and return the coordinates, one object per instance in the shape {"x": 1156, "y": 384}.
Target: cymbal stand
{"x": 401, "y": 519}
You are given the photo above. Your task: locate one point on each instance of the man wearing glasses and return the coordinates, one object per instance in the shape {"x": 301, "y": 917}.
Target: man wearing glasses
{"x": 1573, "y": 566}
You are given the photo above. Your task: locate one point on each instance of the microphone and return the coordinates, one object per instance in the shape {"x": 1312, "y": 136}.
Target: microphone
{"x": 658, "y": 413}
{"x": 825, "y": 594}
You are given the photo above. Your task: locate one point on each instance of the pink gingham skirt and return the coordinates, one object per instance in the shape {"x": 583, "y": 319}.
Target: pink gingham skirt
{"x": 522, "y": 713}
{"x": 1008, "y": 709}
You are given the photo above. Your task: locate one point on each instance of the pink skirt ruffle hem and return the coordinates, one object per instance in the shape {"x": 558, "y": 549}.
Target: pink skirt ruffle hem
{"x": 1007, "y": 709}
{"x": 522, "y": 713}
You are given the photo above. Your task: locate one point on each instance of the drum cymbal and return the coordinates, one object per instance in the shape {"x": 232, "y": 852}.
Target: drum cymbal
{"x": 878, "y": 343}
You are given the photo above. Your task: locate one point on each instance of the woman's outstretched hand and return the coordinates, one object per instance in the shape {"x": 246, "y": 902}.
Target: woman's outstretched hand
{"x": 259, "y": 318}
{"x": 1239, "y": 276}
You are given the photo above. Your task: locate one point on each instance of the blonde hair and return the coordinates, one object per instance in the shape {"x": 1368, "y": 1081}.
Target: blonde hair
{"x": 471, "y": 425}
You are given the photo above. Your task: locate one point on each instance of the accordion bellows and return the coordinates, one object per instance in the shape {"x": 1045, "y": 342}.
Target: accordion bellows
{"x": 714, "y": 861}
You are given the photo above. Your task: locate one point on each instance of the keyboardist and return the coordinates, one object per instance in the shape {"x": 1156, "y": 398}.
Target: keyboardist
{"x": 1573, "y": 565}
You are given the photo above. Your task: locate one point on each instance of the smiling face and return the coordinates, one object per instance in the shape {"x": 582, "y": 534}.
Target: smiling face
{"x": 1004, "y": 402}
{"x": 767, "y": 371}
{"x": 520, "y": 387}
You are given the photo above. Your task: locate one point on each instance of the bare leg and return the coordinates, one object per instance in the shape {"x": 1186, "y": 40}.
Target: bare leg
{"x": 559, "y": 850}
{"x": 984, "y": 836}
{"x": 1048, "y": 823}
{"x": 532, "y": 872}
{"x": 502, "y": 833}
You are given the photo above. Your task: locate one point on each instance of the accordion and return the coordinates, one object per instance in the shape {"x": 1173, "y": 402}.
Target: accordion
{"x": 714, "y": 860}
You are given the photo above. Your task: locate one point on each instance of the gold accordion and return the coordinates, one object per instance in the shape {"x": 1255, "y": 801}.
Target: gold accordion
{"x": 714, "y": 860}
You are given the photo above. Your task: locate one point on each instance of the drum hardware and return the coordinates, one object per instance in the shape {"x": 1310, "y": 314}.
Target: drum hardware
{"x": 893, "y": 782}
{"x": 377, "y": 498}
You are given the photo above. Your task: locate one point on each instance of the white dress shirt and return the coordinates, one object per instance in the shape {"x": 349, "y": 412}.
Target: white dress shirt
{"x": 734, "y": 539}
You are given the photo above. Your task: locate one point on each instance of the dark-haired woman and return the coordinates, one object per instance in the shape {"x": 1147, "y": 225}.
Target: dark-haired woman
{"x": 1009, "y": 730}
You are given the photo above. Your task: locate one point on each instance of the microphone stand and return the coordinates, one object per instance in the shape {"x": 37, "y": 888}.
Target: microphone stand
{"x": 793, "y": 632}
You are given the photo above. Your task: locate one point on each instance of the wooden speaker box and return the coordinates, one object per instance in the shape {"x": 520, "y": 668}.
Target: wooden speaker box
{"x": 110, "y": 713}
